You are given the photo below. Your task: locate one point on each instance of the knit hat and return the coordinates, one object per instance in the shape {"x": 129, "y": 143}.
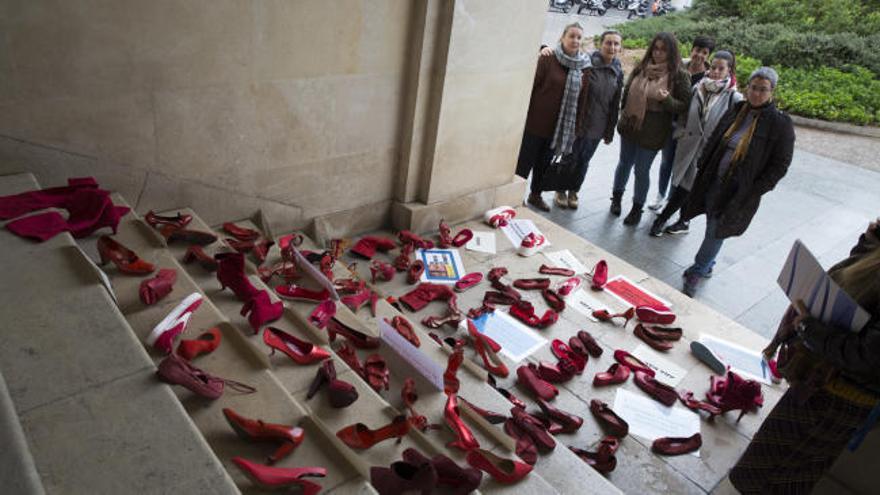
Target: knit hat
{"x": 767, "y": 73}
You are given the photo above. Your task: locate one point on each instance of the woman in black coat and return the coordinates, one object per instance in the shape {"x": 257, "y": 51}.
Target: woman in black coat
{"x": 748, "y": 153}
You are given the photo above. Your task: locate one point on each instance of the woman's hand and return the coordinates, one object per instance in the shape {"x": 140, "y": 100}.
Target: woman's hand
{"x": 873, "y": 232}
{"x": 546, "y": 51}
{"x": 662, "y": 94}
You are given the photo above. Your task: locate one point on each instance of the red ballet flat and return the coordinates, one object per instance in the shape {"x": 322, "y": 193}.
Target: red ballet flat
{"x": 590, "y": 343}
{"x": 647, "y": 314}
{"x": 660, "y": 392}
{"x": 462, "y": 238}
{"x": 532, "y": 283}
{"x": 552, "y": 270}
{"x": 468, "y": 281}
{"x": 677, "y": 445}
{"x": 633, "y": 363}
{"x": 205, "y": 343}
{"x": 648, "y": 338}
{"x": 554, "y": 300}
{"x": 198, "y": 254}
{"x": 530, "y": 381}
{"x": 617, "y": 373}
{"x": 614, "y": 423}
{"x": 600, "y": 275}
{"x": 178, "y": 221}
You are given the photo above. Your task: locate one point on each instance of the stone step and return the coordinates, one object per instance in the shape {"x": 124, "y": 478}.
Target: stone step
{"x": 82, "y": 385}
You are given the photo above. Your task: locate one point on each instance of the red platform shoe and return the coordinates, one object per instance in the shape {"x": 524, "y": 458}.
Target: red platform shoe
{"x": 256, "y": 430}
{"x": 340, "y": 393}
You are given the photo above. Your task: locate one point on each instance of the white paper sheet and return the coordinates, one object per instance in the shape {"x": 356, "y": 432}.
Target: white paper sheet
{"x": 802, "y": 277}
{"x": 740, "y": 359}
{"x": 582, "y": 302}
{"x": 417, "y": 359}
{"x": 564, "y": 259}
{"x": 651, "y": 420}
{"x": 442, "y": 266}
{"x": 517, "y": 340}
{"x": 515, "y": 230}
{"x": 666, "y": 371}
{"x": 483, "y": 242}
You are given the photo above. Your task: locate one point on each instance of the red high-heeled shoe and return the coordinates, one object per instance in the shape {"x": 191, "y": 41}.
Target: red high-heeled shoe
{"x": 154, "y": 289}
{"x": 358, "y": 339}
{"x": 273, "y": 478}
{"x": 617, "y": 373}
{"x": 350, "y": 357}
{"x": 600, "y": 275}
{"x": 633, "y": 363}
{"x": 261, "y": 310}
{"x": 360, "y": 436}
{"x": 687, "y": 398}
{"x": 125, "y": 259}
{"x": 733, "y": 392}
{"x": 240, "y": 246}
{"x": 677, "y": 445}
{"x": 660, "y": 392}
{"x": 553, "y": 270}
{"x": 300, "y": 351}
{"x": 516, "y": 401}
{"x": 604, "y": 315}
{"x": 404, "y": 259}
{"x": 357, "y": 301}
{"x": 240, "y": 233}
{"x": 569, "y": 423}
{"x": 450, "y": 378}
{"x": 609, "y": 418}
{"x": 491, "y": 416}
{"x": 340, "y": 393}
{"x": 487, "y": 348}
{"x": 468, "y": 281}
{"x": 205, "y": 343}
{"x": 405, "y": 329}
{"x": 464, "y": 437}
{"x": 603, "y": 460}
{"x": 178, "y": 221}
{"x": 648, "y": 338}
{"x": 348, "y": 285}
{"x": 322, "y": 313}
{"x": 506, "y": 471}
{"x": 230, "y": 273}
{"x": 529, "y": 380}
{"x": 532, "y": 283}
{"x": 376, "y": 372}
{"x": 647, "y": 314}
{"x": 198, "y": 254}
{"x": 256, "y": 430}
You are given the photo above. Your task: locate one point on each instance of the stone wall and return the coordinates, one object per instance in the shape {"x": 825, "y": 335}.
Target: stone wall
{"x": 299, "y": 107}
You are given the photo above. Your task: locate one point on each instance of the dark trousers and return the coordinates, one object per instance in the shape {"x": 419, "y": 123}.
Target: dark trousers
{"x": 584, "y": 149}
{"x": 534, "y": 156}
{"x": 677, "y": 198}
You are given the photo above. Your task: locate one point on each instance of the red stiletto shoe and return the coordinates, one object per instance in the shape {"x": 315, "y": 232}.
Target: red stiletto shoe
{"x": 357, "y": 339}
{"x": 465, "y": 439}
{"x": 205, "y": 343}
{"x": 175, "y": 370}
{"x": 733, "y": 392}
{"x": 406, "y": 237}
{"x": 553, "y": 300}
{"x": 687, "y": 398}
{"x": 300, "y": 351}
{"x": 553, "y": 270}
{"x": 322, "y": 313}
{"x": 564, "y": 353}
{"x": 568, "y": 286}
{"x": 415, "y": 271}
{"x": 197, "y": 254}
{"x": 230, "y": 273}
{"x": 261, "y": 310}
{"x": 604, "y": 315}
{"x": 491, "y": 416}
{"x": 256, "y": 430}
{"x": 405, "y": 329}
{"x": 603, "y": 460}
{"x": 529, "y": 380}
{"x": 617, "y": 373}
{"x": 487, "y": 348}
{"x": 174, "y": 234}
{"x": 677, "y": 445}
{"x": 609, "y": 418}
{"x": 506, "y": 471}
{"x": 600, "y": 275}
{"x": 450, "y": 378}
{"x": 551, "y": 372}
{"x": 381, "y": 270}
{"x": 360, "y": 436}
{"x": 531, "y": 283}
{"x": 590, "y": 343}
{"x": 178, "y": 221}
{"x": 153, "y": 290}
{"x": 297, "y": 293}
{"x": 468, "y": 281}
{"x": 648, "y": 338}
{"x": 125, "y": 259}
{"x": 376, "y": 372}
{"x": 660, "y": 392}
{"x": 569, "y": 423}
{"x": 240, "y": 233}
{"x": 647, "y": 314}
{"x": 633, "y": 363}
{"x": 274, "y": 478}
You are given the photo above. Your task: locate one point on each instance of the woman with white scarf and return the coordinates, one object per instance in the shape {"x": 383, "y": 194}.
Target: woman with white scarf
{"x": 712, "y": 97}
{"x": 657, "y": 92}
{"x": 555, "y": 111}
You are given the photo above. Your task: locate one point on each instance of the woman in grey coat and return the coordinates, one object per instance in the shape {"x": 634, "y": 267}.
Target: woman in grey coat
{"x": 712, "y": 97}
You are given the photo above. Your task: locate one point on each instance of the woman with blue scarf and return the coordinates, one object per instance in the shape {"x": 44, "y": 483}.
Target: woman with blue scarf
{"x": 555, "y": 114}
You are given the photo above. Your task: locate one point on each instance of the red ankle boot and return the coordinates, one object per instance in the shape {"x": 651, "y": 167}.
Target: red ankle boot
{"x": 230, "y": 273}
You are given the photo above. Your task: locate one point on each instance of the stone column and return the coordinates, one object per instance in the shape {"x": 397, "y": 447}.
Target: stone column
{"x": 469, "y": 82}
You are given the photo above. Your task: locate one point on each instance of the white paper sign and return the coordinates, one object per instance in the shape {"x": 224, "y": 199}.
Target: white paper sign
{"x": 483, "y": 242}
{"x": 651, "y": 420}
{"x": 424, "y": 366}
{"x": 666, "y": 371}
{"x": 515, "y": 230}
{"x": 517, "y": 340}
{"x": 741, "y": 360}
{"x": 584, "y": 303}
{"x": 564, "y": 259}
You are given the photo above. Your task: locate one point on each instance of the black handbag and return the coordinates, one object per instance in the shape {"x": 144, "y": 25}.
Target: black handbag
{"x": 561, "y": 175}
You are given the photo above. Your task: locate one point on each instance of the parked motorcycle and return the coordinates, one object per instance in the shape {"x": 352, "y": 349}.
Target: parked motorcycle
{"x": 637, "y": 8}
{"x": 619, "y": 4}
{"x": 592, "y": 7}
{"x": 665, "y": 8}
{"x": 563, "y": 5}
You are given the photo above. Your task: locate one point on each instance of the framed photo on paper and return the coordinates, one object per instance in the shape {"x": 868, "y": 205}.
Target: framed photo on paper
{"x": 442, "y": 266}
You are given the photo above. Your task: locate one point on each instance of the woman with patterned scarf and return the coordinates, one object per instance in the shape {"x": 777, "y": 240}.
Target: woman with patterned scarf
{"x": 834, "y": 397}
{"x": 748, "y": 153}
{"x": 713, "y": 95}
{"x": 657, "y": 92}
{"x": 555, "y": 115}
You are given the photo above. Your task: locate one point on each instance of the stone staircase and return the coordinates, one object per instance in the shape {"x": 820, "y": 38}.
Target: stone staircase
{"x": 93, "y": 417}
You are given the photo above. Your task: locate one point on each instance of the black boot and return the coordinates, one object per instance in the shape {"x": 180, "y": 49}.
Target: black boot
{"x": 657, "y": 227}
{"x": 634, "y": 215}
{"x": 616, "y": 197}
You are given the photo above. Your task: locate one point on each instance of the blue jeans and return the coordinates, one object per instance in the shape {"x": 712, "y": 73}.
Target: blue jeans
{"x": 705, "y": 258}
{"x": 667, "y": 159}
{"x": 633, "y": 155}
